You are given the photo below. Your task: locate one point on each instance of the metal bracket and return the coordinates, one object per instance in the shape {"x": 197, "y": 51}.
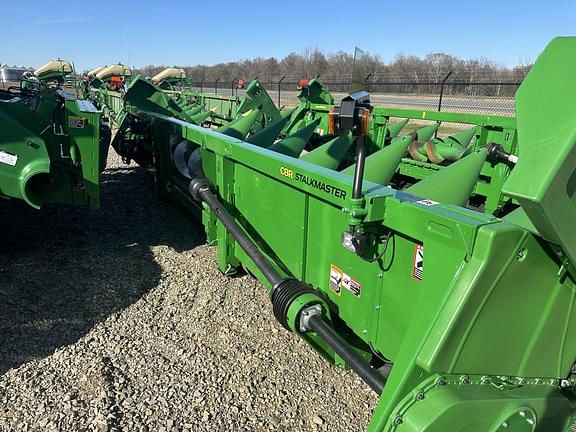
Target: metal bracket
{"x": 306, "y": 314}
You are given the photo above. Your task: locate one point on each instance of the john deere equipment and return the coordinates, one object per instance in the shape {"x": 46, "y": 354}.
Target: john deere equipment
{"x": 452, "y": 294}
{"x": 52, "y": 145}
{"x": 169, "y": 78}
{"x": 105, "y": 86}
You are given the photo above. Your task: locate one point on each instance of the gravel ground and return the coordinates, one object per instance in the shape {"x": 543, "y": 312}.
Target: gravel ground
{"x": 118, "y": 320}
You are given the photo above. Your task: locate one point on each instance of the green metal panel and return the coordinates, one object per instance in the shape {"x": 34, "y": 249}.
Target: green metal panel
{"x": 51, "y": 150}
{"x": 475, "y": 312}
{"x": 544, "y": 180}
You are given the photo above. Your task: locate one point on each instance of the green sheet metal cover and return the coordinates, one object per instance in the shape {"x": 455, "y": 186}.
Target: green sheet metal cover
{"x": 544, "y": 180}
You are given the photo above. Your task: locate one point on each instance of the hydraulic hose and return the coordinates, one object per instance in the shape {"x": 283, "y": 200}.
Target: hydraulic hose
{"x": 370, "y": 375}
{"x": 286, "y": 290}
{"x": 201, "y": 191}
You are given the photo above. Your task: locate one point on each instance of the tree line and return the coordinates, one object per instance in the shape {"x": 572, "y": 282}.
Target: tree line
{"x": 337, "y": 67}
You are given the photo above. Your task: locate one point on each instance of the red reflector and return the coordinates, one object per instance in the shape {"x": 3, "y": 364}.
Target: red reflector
{"x": 303, "y": 83}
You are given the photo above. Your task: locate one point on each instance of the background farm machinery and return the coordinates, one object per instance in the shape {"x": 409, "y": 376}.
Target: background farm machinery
{"x": 450, "y": 293}
{"x": 53, "y": 146}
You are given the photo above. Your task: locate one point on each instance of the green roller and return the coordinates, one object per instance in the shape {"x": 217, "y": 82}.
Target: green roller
{"x": 395, "y": 128}
{"x": 381, "y": 166}
{"x": 330, "y": 154}
{"x": 201, "y": 117}
{"x": 453, "y": 184}
{"x": 240, "y": 127}
{"x": 267, "y": 136}
{"x": 424, "y": 134}
{"x": 451, "y": 148}
{"x": 294, "y": 144}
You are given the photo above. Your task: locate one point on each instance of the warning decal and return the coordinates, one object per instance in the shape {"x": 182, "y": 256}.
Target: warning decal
{"x": 418, "y": 265}
{"x": 351, "y": 285}
{"x": 8, "y": 158}
{"x": 335, "y": 278}
{"x": 76, "y": 122}
{"x": 339, "y": 280}
{"x": 427, "y": 202}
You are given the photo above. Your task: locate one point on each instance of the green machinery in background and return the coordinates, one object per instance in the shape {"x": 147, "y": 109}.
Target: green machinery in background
{"x": 53, "y": 146}
{"x": 105, "y": 86}
{"x": 452, "y": 293}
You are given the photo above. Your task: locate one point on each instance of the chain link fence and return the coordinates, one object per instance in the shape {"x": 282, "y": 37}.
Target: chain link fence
{"x": 496, "y": 98}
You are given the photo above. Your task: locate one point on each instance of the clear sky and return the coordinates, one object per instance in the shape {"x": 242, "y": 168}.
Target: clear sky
{"x": 177, "y": 32}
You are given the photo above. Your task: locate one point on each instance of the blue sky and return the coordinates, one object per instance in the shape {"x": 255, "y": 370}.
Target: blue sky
{"x": 93, "y": 33}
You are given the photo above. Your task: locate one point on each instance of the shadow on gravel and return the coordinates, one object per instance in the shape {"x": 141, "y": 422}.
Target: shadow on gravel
{"x": 63, "y": 270}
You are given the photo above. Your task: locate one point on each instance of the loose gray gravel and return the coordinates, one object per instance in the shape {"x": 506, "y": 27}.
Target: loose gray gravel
{"x": 118, "y": 320}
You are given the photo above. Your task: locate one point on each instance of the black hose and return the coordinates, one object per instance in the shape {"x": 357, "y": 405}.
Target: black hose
{"x": 285, "y": 291}
{"x": 371, "y": 376}
{"x": 239, "y": 235}
{"x": 359, "y": 171}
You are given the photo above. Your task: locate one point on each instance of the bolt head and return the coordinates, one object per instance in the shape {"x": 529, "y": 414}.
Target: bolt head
{"x": 398, "y": 420}
{"x": 505, "y": 424}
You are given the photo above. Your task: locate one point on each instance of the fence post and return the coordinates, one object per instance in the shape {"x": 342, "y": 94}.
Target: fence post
{"x": 216, "y": 85}
{"x": 279, "y": 90}
{"x": 232, "y": 87}
{"x": 202, "y": 84}
{"x": 442, "y": 90}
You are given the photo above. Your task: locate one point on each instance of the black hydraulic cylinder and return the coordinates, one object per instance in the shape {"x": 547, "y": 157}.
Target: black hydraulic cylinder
{"x": 370, "y": 375}
{"x": 359, "y": 172}
{"x": 240, "y": 235}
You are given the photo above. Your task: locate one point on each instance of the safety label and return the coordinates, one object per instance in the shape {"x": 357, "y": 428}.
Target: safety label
{"x": 351, "y": 285}
{"x": 427, "y": 202}
{"x": 8, "y": 158}
{"x": 335, "y": 279}
{"x": 339, "y": 280}
{"x": 418, "y": 265}
{"x": 76, "y": 122}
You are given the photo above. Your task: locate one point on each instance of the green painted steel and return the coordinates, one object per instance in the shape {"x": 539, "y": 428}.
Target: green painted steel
{"x": 241, "y": 126}
{"x": 455, "y": 183}
{"x": 331, "y": 154}
{"x": 267, "y": 136}
{"x": 52, "y": 147}
{"x": 544, "y": 182}
{"x": 475, "y": 311}
{"x": 394, "y": 129}
{"x": 294, "y": 144}
{"x": 381, "y": 166}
